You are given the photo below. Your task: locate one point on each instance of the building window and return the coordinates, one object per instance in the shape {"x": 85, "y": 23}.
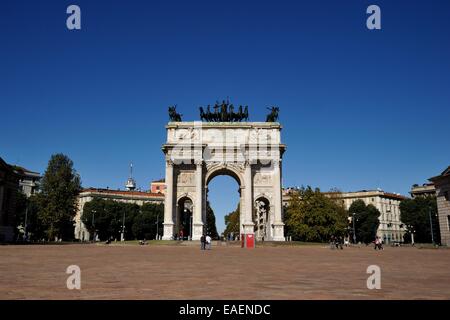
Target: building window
{"x": 446, "y": 196}
{"x": 448, "y": 223}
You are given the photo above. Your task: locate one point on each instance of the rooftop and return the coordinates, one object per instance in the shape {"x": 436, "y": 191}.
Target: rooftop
{"x": 122, "y": 193}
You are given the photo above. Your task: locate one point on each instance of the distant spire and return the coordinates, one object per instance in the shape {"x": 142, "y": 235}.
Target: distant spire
{"x": 131, "y": 184}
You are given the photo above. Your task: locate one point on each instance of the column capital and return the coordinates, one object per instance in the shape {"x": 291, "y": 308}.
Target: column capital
{"x": 169, "y": 163}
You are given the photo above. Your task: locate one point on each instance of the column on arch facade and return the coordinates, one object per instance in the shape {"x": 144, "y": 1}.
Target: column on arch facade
{"x": 198, "y": 222}
{"x": 247, "y": 220}
{"x": 278, "y": 226}
{"x": 168, "y": 203}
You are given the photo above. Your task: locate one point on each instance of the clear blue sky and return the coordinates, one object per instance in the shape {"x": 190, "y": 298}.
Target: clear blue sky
{"x": 361, "y": 109}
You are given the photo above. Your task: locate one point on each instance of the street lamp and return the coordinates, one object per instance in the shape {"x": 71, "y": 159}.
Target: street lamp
{"x": 157, "y": 226}
{"x": 192, "y": 218}
{"x": 93, "y": 224}
{"x": 354, "y": 228}
{"x": 26, "y": 222}
{"x": 431, "y": 225}
{"x": 412, "y": 231}
{"x": 122, "y": 236}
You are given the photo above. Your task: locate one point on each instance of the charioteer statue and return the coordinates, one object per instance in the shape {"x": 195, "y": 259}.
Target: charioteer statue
{"x": 224, "y": 112}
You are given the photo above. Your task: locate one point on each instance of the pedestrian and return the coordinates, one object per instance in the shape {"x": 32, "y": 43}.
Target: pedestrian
{"x": 378, "y": 244}
{"x": 203, "y": 242}
{"x": 208, "y": 242}
{"x": 340, "y": 243}
{"x": 332, "y": 240}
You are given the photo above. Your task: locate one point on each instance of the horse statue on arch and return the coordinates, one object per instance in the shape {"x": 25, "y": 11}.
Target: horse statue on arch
{"x": 174, "y": 115}
{"x": 273, "y": 115}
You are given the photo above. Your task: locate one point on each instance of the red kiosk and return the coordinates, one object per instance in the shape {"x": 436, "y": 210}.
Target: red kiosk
{"x": 248, "y": 241}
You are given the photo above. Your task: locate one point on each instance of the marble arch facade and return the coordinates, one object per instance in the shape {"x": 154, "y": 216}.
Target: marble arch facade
{"x": 251, "y": 152}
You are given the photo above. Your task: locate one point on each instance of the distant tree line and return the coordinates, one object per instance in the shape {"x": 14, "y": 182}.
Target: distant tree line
{"x": 106, "y": 218}
{"x": 49, "y": 215}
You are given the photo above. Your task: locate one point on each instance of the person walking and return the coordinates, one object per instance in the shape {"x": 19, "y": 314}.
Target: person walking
{"x": 208, "y": 242}
{"x": 332, "y": 243}
{"x": 339, "y": 243}
{"x": 203, "y": 242}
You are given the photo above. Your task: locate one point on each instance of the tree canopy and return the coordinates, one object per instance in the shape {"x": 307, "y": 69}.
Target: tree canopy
{"x": 211, "y": 222}
{"x": 232, "y": 222}
{"x": 366, "y": 221}
{"x": 105, "y": 218}
{"x": 313, "y": 217}
{"x": 415, "y": 214}
{"x": 58, "y": 197}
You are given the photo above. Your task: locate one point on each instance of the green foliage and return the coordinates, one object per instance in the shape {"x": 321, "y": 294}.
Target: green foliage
{"x": 144, "y": 225}
{"x": 232, "y": 222}
{"x": 211, "y": 222}
{"x": 21, "y": 207}
{"x": 366, "y": 221}
{"x": 415, "y": 214}
{"x": 57, "y": 200}
{"x": 312, "y": 217}
{"x": 105, "y": 217}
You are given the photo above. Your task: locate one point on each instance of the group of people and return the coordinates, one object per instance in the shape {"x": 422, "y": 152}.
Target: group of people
{"x": 337, "y": 242}
{"x": 378, "y": 243}
{"x": 206, "y": 242}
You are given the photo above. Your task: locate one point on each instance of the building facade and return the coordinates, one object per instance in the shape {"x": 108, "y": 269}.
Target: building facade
{"x": 158, "y": 186}
{"x": 391, "y": 228}
{"x": 87, "y": 195}
{"x": 425, "y": 190}
{"x": 29, "y": 182}
{"x": 9, "y": 185}
{"x": 442, "y": 183}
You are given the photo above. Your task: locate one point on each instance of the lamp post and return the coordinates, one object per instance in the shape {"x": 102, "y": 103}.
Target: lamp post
{"x": 192, "y": 218}
{"x": 122, "y": 236}
{"x": 157, "y": 226}
{"x": 93, "y": 224}
{"x": 25, "y": 229}
{"x": 431, "y": 225}
{"x": 354, "y": 228}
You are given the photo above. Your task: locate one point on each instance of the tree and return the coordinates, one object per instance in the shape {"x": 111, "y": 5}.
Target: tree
{"x": 367, "y": 221}
{"x": 20, "y": 214}
{"x": 211, "y": 222}
{"x": 105, "y": 218}
{"x": 57, "y": 201}
{"x": 415, "y": 214}
{"x": 313, "y": 217}
{"x": 98, "y": 215}
{"x": 232, "y": 222}
{"x": 144, "y": 224}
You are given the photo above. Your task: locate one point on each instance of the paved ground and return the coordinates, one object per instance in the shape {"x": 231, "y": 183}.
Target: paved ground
{"x": 175, "y": 272}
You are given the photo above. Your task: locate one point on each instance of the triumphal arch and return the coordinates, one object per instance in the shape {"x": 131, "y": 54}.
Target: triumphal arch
{"x": 223, "y": 144}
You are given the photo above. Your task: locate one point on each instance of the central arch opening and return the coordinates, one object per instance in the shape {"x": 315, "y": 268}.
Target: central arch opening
{"x": 223, "y": 197}
{"x": 185, "y": 219}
